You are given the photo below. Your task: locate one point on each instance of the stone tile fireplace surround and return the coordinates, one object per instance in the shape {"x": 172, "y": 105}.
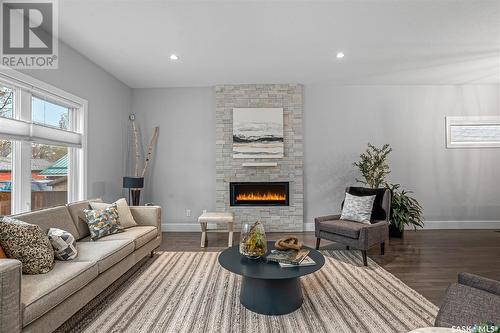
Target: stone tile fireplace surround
{"x": 288, "y": 169}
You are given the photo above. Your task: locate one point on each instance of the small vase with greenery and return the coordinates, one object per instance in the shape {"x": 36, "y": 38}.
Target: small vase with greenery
{"x": 405, "y": 210}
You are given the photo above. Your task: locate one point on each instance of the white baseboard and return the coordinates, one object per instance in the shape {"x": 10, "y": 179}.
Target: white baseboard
{"x": 435, "y": 225}
{"x": 309, "y": 226}
{"x": 431, "y": 225}
{"x": 428, "y": 225}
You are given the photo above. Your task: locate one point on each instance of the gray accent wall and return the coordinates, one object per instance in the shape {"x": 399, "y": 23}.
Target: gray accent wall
{"x": 338, "y": 122}
{"x": 109, "y": 103}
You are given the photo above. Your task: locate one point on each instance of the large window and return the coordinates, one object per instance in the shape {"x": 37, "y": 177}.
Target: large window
{"x": 6, "y": 102}
{"x": 5, "y": 176}
{"x": 42, "y": 145}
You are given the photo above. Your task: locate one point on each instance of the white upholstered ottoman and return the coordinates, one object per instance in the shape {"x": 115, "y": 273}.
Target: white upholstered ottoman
{"x": 221, "y": 217}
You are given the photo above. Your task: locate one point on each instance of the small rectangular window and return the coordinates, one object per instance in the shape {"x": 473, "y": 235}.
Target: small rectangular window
{"x": 48, "y": 113}
{"x": 473, "y": 132}
{"x": 6, "y": 102}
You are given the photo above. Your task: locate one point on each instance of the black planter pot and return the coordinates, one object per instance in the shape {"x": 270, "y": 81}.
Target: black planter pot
{"x": 395, "y": 232}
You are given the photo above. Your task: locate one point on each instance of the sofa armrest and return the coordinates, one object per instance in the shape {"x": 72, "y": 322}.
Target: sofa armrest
{"x": 374, "y": 234}
{"x": 147, "y": 215}
{"x": 479, "y": 282}
{"x": 317, "y": 221}
{"x": 327, "y": 218}
{"x": 10, "y": 295}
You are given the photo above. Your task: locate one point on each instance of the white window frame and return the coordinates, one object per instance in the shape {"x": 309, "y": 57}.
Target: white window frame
{"x": 25, "y": 87}
{"x": 470, "y": 121}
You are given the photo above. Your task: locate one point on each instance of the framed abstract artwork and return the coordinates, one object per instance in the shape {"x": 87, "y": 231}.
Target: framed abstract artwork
{"x": 258, "y": 133}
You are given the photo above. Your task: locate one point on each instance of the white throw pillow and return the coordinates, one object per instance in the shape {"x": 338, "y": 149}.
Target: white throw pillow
{"x": 64, "y": 244}
{"x": 125, "y": 217}
{"x": 357, "y": 209}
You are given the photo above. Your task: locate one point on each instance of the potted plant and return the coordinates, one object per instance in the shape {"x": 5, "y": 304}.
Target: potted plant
{"x": 373, "y": 165}
{"x": 405, "y": 211}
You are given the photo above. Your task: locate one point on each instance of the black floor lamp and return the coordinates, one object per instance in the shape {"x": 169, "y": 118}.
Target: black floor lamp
{"x": 134, "y": 185}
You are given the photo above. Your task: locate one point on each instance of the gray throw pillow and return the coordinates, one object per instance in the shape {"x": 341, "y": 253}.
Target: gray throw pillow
{"x": 64, "y": 244}
{"x": 357, "y": 209}
{"x": 27, "y": 243}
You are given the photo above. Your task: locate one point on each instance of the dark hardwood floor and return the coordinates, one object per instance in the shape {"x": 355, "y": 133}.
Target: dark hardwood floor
{"x": 426, "y": 260}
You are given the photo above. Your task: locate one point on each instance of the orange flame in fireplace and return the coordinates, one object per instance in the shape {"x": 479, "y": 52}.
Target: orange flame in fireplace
{"x": 260, "y": 197}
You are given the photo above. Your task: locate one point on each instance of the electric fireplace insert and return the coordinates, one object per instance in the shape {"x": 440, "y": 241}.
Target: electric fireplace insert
{"x": 259, "y": 193}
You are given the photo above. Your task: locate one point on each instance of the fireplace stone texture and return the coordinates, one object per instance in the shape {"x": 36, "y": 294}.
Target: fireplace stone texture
{"x": 290, "y": 167}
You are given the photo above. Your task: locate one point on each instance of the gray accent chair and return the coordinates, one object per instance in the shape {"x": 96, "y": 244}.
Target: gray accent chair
{"x": 358, "y": 235}
{"x": 472, "y": 300}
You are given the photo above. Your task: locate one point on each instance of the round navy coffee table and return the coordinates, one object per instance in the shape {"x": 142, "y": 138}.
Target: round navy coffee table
{"x": 267, "y": 288}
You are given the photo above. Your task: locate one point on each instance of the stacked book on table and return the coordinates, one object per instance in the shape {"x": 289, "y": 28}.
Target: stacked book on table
{"x": 291, "y": 258}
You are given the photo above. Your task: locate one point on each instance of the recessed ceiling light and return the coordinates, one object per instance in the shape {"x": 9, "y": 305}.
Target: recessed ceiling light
{"x": 340, "y": 55}
{"x": 174, "y": 57}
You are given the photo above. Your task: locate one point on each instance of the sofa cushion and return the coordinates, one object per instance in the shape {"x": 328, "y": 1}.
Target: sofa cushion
{"x": 64, "y": 244}
{"x": 55, "y": 217}
{"x": 357, "y": 208}
{"x": 344, "y": 228}
{"x": 103, "y": 222}
{"x": 27, "y": 243}
{"x": 76, "y": 211}
{"x": 378, "y": 212}
{"x": 105, "y": 254}
{"x": 140, "y": 235}
{"x": 41, "y": 293}
{"x": 125, "y": 217}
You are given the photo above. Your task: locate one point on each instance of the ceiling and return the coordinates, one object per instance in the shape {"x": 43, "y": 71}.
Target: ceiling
{"x": 385, "y": 42}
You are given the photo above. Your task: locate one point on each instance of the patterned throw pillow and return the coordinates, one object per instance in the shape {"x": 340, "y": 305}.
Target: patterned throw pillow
{"x": 64, "y": 244}
{"x": 2, "y": 254}
{"x": 125, "y": 217}
{"x": 357, "y": 209}
{"x": 102, "y": 222}
{"x": 28, "y": 244}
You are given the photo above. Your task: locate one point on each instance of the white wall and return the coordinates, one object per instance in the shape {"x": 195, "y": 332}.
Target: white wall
{"x": 109, "y": 102}
{"x": 452, "y": 185}
{"x": 183, "y": 172}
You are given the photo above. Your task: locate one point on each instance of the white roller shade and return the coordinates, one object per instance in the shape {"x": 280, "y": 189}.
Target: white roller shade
{"x": 14, "y": 129}
{"x": 21, "y": 130}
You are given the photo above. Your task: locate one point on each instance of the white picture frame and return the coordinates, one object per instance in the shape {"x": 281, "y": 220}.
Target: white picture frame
{"x": 472, "y": 131}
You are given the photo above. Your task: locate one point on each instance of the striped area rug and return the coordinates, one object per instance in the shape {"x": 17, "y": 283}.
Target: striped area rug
{"x": 191, "y": 292}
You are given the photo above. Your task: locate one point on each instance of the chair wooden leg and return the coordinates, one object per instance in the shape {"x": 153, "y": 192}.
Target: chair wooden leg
{"x": 318, "y": 240}
{"x": 382, "y": 248}
{"x": 365, "y": 261}
{"x": 152, "y": 254}
{"x": 204, "y": 241}
{"x": 347, "y": 247}
{"x": 231, "y": 229}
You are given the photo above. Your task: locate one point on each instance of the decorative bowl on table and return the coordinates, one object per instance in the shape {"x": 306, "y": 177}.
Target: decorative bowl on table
{"x": 253, "y": 243}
